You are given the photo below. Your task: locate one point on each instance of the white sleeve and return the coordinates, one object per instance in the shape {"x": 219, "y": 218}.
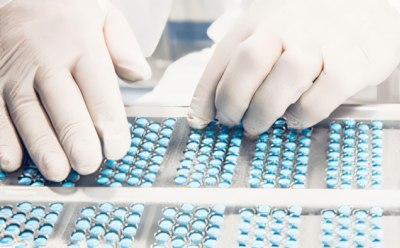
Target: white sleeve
{"x": 147, "y": 19}
{"x": 4, "y": 2}
{"x": 395, "y": 4}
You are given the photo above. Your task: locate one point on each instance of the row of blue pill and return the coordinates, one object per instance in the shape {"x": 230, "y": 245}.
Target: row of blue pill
{"x": 27, "y": 225}
{"x": 355, "y": 155}
{"x": 107, "y": 225}
{"x": 281, "y": 158}
{"x": 3, "y": 175}
{"x": 210, "y": 157}
{"x": 347, "y": 227}
{"x": 189, "y": 226}
{"x": 31, "y": 176}
{"x": 140, "y": 166}
{"x": 269, "y": 227}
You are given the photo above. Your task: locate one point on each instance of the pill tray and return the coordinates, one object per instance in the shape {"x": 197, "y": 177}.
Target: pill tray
{"x": 314, "y": 174}
{"x": 232, "y": 228}
{"x": 314, "y": 197}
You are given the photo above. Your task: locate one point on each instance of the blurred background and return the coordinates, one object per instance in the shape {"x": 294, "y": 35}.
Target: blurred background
{"x": 185, "y": 32}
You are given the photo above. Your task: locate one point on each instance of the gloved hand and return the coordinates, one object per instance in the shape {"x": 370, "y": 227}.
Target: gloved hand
{"x": 297, "y": 58}
{"x": 59, "y": 89}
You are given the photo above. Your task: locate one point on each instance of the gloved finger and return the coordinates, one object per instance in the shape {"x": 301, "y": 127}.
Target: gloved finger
{"x": 95, "y": 76}
{"x": 320, "y": 100}
{"x": 10, "y": 147}
{"x": 123, "y": 47}
{"x": 202, "y": 107}
{"x": 291, "y": 76}
{"x": 345, "y": 73}
{"x": 70, "y": 118}
{"x": 36, "y": 132}
{"x": 244, "y": 74}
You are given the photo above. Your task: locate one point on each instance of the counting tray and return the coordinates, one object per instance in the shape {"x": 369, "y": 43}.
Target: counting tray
{"x": 309, "y": 235}
{"x": 317, "y": 165}
{"x": 313, "y": 198}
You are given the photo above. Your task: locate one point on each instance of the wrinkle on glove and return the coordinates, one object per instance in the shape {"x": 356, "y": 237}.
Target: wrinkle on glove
{"x": 297, "y": 59}
{"x": 59, "y": 62}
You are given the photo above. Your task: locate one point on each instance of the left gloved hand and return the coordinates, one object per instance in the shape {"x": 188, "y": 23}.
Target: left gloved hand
{"x": 313, "y": 54}
{"x": 59, "y": 61}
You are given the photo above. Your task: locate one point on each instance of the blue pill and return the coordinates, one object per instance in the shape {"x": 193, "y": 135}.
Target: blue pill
{"x": 261, "y": 221}
{"x": 137, "y": 208}
{"x": 116, "y": 184}
{"x": 38, "y": 212}
{"x": 163, "y": 142}
{"x": 169, "y": 122}
{"x": 111, "y": 237}
{"x": 201, "y": 213}
{"x": 336, "y": 127}
{"x": 210, "y": 181}
{"x": 101, "y": 218}
{"x": 132, "y": 151}
{"x": 224, "y": 184}
{"x": 26, "y": 235}
{"x": 135, "y": 142}
{"x": 116, "y": 225}
{"x": 120, "y": 177}
{"x": 160, "y": 151}
{"x": 178, "y": 242}
{"x": 154, "y": 127}
{"x": 133, "y": 181}
{"x": 19, "y": 217}
{"x": 181, "y": 180}
{"x": 97, "y": 230}
{"x": 263, "y": 137}
{"x": 199, "y": 225}
{"x": 82, "y": 224}
{"x": 254, "y": 182}
{"x": 103, "y": 180}
{"x": 376, "y": 212}
{"x": 107, "y": 172}
{"x": 46, "y": 229}
{"x": 180, "y": 231}
{"x": 275, "y": 151}
{"x": 125, "y": 243}
{"x": 169, "y": 213}
{"x": 236, "y": 141}
{"x": 216, "y": 219}
{"x": 213, "y": 231}
{"x": 40, "y": 241}
{"x": 141, "y": 122}
{"x": 166, "y": 225}
{"x": 13, "y": 228}
{"x": 183, "y": 218}
{"x": 245, "y": 227}
{"x": 196, "y": 237}
{"x": 93, "y": 242}
{"x": 22, "y": 180}
{"x": 197, "y": 176}
{"x": 138, "y": 132}
{"x": 133, "y": 219}
{"x": 32, "y": 223}
{"x": 328, "y": 214}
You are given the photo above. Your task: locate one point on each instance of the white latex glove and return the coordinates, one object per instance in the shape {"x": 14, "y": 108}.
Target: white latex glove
{"x": 313, "y": 54}
{"x": 58, "y": 84}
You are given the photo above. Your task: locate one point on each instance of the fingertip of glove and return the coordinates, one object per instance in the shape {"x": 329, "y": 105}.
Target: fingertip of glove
{"x": 54, "y": 167}
{"x": 292, "y": 121}
{"x": 9, "y": 163}
{"x": 116, "y": 145}
{"x": 136, "y": 72}
{"x": 86, "y": 157}
{"x": 195, "y": 121}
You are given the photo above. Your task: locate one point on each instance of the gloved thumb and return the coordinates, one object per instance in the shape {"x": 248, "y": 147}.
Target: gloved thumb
{"x": 125, "y": 52}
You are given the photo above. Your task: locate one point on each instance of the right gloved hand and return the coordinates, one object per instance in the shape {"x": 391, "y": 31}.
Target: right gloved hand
{"x": 59, "y": 90}
{"x": 299, "y": 59}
